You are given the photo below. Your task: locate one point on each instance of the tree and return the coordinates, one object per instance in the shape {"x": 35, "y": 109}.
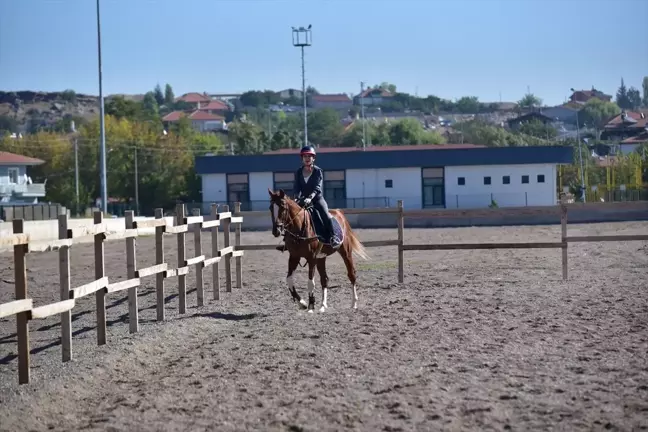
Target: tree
{"x": 157, "y": 93}
{"x": 468, "y": 105}
{"x": 645, "y": 91}
{"x": 169, "y": 97}
{"x": 622, "y": 96}
{"x": 324, "y": 128}
{"x": 150, "y": 106}
{"x": 634, "y": 98}
{"x": 387, "y": 86}
{"x": 597, "y": 112}
{"x": 538, "y": 129}
{"x": 530, "y": 101}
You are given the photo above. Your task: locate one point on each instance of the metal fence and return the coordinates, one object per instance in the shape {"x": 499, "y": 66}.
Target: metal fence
{"x": 29, "y": 212}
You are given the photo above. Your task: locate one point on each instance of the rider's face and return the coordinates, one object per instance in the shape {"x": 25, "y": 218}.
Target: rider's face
{"x": 308, "y": 159}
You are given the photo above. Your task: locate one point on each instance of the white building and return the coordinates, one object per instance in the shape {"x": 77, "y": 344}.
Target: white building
{"x": 424, "y": 176}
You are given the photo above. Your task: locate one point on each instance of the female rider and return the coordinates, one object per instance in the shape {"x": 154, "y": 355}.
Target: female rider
{"x": 308, "y": 187}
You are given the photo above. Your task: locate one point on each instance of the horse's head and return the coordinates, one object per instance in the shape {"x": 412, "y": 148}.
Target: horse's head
{"x": 282, "y": 211}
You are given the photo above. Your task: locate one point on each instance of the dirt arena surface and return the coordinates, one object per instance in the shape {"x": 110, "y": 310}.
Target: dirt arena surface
{"x": 481, "y": 340}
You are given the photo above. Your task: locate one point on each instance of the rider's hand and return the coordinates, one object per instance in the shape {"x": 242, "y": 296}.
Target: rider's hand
{"x": 307, "y": 201}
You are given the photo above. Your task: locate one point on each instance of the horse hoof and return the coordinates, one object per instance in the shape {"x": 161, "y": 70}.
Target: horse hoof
{"x": 310, "y": 310}
{"x": 322, "y": 309}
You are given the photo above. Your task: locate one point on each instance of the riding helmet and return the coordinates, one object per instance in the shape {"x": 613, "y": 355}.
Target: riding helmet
{"x": 307, "y": 150}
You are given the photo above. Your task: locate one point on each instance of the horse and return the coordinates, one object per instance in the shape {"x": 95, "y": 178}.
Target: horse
{"x": 305, "y": 238}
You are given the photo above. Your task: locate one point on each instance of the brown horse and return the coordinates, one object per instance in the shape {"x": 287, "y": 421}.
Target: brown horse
{"x": 301, "y": 241}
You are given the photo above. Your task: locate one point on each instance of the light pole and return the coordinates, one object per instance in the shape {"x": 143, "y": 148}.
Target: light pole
{"x": 362, "y": 114}
{"x": 580, "y": 150}
{"x": 302, "y": 38}
{"x": 102, "y": 126}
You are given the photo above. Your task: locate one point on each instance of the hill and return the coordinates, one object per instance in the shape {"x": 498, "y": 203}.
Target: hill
{"x": 27, "y": 111}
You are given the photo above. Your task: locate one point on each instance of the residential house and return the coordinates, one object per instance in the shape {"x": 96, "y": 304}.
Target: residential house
{"x": 628, "y": 124}
{"x": 335, "y": 101}
{"x": 216, "y": 107}
{"x": 16, "y": 187}
{"x": 566, "y": 113}
{"x": 582, "y": 96}
{"x": 202, "y": 121}
{"x": 373, "y": 96}
{"x": 196, "y": 99}
{"x": 290, "y": 93}
{"x": 516, "y": 122}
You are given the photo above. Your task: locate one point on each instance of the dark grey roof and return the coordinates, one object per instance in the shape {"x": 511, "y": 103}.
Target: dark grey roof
{"x": 388, "y": 159}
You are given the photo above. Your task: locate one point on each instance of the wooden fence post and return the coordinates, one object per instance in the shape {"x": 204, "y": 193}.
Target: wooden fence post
{"x": 182, "y": 256}
{"x": 238, "y": 263}
{"x": 131, "y": 267}
{"x": 563, "y": 229}
{"x": 214, "y": 243}
{"x": 100, "y": 295}
{"x": 200, "y": 287}
{"x": 228, "y": 258}
{"x": 64, "y": 282}
{"x": 22, "y": 318}
{"x": 401, "y": 236}
{"x": 159, "y": 259}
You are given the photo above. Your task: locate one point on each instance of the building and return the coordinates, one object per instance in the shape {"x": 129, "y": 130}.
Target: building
{"x": 517, "y": 122}
{"x": 16, "y": 187}
{"x": 334, "y": 101}
{"x": 201, "y": 120}
{"x": 582, "y": 96}
{"x": 628, "y": 124}
{"x": 373, "y": 96}
{"x": 423, "y": 176}
{"x": 566, "y": 113}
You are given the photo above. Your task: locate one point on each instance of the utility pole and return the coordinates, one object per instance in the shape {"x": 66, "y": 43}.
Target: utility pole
{"x": 102, "y": 126}
{"x": 302, "y": 38}
{"x": 76, "y": 165}
{"x": 136, "y": 185}
{"x": 362, "y": 115}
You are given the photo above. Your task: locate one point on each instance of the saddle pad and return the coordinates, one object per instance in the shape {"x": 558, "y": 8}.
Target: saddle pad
{"x": 320, "y": 229}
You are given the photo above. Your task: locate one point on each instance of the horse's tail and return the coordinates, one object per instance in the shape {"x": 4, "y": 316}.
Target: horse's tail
{"x": 356, "y": 245}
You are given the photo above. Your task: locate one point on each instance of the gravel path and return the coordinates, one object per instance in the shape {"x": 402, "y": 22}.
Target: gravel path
{"x": 482, "y": 340}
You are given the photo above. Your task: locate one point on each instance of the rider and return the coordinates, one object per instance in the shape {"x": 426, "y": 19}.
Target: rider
{"x": 308, "y": 187}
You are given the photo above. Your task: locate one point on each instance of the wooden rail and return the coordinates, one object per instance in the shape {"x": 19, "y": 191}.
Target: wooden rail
{"x": 402, "y": 214}
{"x": 25, "y": 310}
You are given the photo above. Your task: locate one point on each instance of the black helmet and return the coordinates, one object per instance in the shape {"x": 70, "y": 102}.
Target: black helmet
{"x": 307, "y": 150}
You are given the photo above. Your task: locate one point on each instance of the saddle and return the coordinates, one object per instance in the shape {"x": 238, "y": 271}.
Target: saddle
{"x": 319, "y": 226}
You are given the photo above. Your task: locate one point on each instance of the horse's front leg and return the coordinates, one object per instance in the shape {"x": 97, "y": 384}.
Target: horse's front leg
{"x": 311, "y": 285}
{"x": 293, "y": 262}
{"x": 321, "y": 269}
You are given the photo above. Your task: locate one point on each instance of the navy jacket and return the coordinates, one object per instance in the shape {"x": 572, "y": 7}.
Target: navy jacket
{"x": 312, "y": 188}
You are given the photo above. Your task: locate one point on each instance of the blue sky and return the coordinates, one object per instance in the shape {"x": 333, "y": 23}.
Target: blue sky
{"x": 447, "y": 48}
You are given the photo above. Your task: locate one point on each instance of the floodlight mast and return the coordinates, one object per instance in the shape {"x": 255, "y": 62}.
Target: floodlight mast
{"x": 302, "y": 37}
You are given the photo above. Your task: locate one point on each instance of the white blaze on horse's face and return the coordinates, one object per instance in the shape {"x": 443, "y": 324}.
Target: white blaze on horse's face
{"x": 275, "y": 212}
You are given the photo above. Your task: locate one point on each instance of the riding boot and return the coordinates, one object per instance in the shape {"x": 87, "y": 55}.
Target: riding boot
{"x": 333, "y": 238}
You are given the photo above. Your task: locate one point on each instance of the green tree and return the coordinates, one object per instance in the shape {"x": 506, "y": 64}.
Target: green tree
{"x": 169, "y": 97}
{"x": 468, "y": 105}
{"x": 538, "y": 129}
{"x": 529, "y": 101}
{"x": 325, "y": 128}
{"x": 597, "y": 112}
{"x": 159, "y": 96}
{"x": 150, "y": 107}
{"x": 634, "y": 98}
{"x": 622, "y": 96}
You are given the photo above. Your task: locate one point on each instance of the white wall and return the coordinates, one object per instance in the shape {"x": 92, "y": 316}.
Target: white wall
{"x": 370, "y": 183}
{"x": 476, "y": 194}
{"x": 259, "y": 184}
{"x": 214, "y": 188}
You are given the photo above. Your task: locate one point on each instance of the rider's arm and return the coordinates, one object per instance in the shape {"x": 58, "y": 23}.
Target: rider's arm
{"x": 319, "y": 180}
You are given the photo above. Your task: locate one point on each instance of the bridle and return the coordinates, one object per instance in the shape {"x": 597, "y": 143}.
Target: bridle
{"x": 282, "y": 215}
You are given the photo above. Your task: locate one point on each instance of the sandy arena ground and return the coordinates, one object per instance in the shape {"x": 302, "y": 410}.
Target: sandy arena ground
{"x": 482, "y": 340}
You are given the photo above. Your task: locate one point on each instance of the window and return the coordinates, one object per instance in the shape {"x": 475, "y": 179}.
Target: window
{"x": 525, "y": 179}
{"x": 487, "y": 180}
{"x": 238, "y": 190}
{"x": 461, "y": 181}
{"x": 389, "y": 184}
{"x": 506, "y": 180}
{"x": 540, "y": 178}
{"x": 284, "y": 180}
{"x": 13, "y": 175}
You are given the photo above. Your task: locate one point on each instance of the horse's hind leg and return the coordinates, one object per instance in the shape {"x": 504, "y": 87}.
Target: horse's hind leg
{"x": 293, "y": 262}
{"x": 321, "y": 269}
{"x": 347, "y": 256}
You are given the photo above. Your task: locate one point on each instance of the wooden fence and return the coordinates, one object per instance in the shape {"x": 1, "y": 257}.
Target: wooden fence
{"x": 25, "y": 311}
{"x": 402, "y": 214}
